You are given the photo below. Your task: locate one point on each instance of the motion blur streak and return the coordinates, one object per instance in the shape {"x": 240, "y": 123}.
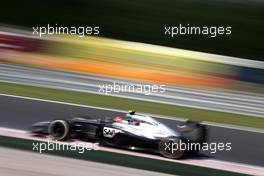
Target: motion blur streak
{"x": 210, "y": 163}
{"x": 144, "y": 62}
{"x": 236, "y": 102}
{"x": 28, "y": 163}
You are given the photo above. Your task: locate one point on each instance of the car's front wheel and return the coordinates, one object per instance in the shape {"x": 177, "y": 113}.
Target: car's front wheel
{"x": 59, "y": 130}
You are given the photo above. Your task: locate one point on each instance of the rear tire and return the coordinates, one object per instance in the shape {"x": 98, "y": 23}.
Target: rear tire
{"x": 170, "y": 148}
{"x": 59, "y": 130}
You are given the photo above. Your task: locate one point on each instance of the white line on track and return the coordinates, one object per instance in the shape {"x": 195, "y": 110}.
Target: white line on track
{"x": 154, "y": 115}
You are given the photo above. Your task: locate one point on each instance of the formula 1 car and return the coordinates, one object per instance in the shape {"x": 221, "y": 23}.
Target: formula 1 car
{"x": 132, "y": 131}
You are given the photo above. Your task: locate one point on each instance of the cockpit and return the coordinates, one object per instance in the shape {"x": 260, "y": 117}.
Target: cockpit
{"x": 131, "y": 118}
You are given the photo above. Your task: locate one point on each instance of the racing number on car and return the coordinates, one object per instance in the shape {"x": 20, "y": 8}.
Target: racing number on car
{"x": 110, "y": 132}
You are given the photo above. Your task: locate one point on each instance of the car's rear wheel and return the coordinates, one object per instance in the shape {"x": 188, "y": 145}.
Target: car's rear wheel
{"x": 171, "y": 148}
{"x": 59, "y": 130}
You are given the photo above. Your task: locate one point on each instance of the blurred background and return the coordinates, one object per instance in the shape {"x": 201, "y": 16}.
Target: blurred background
{"x": 218, "y": 80}
{"x": 144, "y": 21}
{"x": 141, "y": 21}
{"x": 223, "y": 73}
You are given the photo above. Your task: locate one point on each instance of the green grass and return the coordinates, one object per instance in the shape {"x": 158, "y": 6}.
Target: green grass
{"x": 125, "y": 104}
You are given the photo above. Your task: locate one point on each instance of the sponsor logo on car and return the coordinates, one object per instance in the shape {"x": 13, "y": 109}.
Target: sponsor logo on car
{"x": 110, "y": 132}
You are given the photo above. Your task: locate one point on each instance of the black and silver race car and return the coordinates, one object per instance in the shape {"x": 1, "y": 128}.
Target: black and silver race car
{"x": 132, "y": 131}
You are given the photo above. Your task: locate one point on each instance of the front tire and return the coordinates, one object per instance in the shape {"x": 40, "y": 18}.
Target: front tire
{"x": 59, "y": 130}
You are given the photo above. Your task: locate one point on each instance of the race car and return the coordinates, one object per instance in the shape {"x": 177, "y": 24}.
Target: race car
{"x": 131, "y": 131}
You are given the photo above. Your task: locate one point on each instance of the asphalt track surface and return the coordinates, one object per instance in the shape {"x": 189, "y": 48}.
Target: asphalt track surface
{"x": 29, "y": 164}
{"x": 231, "y": 101}
{"x": 18, "y": 113}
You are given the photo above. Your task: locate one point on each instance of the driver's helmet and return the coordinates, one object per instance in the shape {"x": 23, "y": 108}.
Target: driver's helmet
{"x": 130, "y": 113}
{"x": 129, "y": 121}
